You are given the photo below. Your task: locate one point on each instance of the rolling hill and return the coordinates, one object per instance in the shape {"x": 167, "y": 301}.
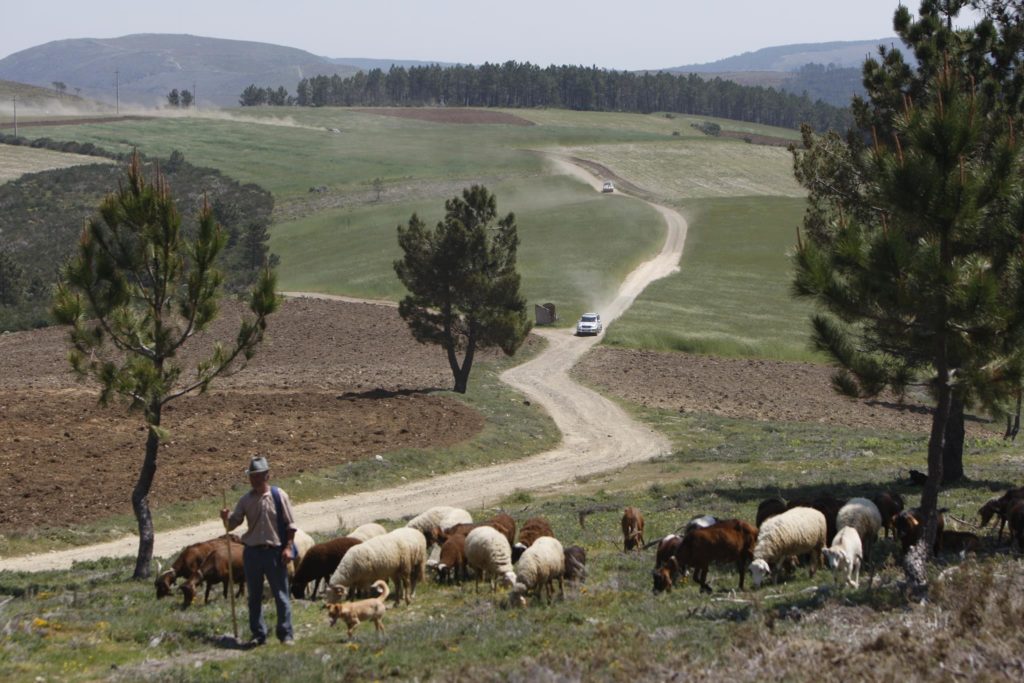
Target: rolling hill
{"x": 145, "y": 67}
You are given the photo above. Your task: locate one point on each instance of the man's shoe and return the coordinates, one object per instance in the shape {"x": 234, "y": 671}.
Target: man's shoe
{"x": 256, "y": 642}
{"x": 288, "y": 642}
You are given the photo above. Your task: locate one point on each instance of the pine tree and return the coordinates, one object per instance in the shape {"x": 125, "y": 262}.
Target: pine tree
{"x": 462, "y": 281}
{"x": 136, "y": 292}
{"x": 914, "y": 238}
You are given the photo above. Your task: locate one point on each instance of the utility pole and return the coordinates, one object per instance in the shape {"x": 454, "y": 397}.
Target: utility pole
{"x": 117, "y": 91}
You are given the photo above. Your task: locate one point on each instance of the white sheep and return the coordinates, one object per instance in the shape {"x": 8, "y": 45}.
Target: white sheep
{"x": 845, "y": 555}
{"x": 399, "y": 555}
{"x": 440, "y": 517}
{"x": 365, "y": 532}
{"x": 490, "y": 555}
{"x": 864, "y": 516}
{"x": 538, "y": 567}
{"x": 794, "y": 532}
{"x": 303, "y": 542}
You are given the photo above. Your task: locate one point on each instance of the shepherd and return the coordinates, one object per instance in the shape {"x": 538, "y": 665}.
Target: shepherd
{"x": 269, "y": 547}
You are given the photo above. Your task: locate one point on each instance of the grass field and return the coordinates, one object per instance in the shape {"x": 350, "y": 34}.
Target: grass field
{"x": 17, "y": 161}
{"x": 94, "y": 623}
{"x": 731, "y": 296}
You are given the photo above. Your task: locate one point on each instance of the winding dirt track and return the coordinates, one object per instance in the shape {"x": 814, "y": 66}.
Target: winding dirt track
{"x": 597, "y": 435}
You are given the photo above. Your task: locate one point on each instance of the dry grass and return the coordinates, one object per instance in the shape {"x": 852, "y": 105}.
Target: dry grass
{"x": 17, "y": 161}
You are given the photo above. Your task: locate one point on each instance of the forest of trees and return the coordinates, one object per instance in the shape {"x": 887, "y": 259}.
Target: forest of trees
{"x": 41, "y": 217}
{"x": 521, "y": 84}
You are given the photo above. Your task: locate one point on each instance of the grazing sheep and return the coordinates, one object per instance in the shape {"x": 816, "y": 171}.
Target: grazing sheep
{"x": 186, "y": 563}
{"x": 214, "y": 570}
{"x": 728, "y": 541}
{"x": 632, "y": 530}
{"x": 504, "y": 523}
{"x": 700, "y": 522}
{"x": 452, "y": 566}
{"x": 909, "y": 526}
{"x": 532, "y": 529}
{"x": 319, "y": 563}
{"x": 441, "y": 517}
{"x": 399, "y": 555}
{"x": 365, "y": 532}
{"x": 795, "y": 532}
{"x": 540, "y": 566}
{"x": 1000, "y": 507}
{"x": 769, "y": 508}
{"x": 303, "y": 542}
{"x": 666, "y": 569}
{"x": 489, "y": 554}
{"x": 1016, "y": 518}
{"x": 863, "y": 515}
{"x": 889, "y": 505}
{"x": 826, "y": 504}
{"x": 845, "y": 555}
{"x": 575, "y": 564}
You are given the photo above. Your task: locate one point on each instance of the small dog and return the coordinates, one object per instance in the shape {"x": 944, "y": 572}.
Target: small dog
{"x": 352, "y": 613}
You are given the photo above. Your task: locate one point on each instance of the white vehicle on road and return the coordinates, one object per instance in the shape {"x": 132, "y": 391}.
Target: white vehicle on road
{"x": 590, "y": 323}
{"x": 608, "y": 186}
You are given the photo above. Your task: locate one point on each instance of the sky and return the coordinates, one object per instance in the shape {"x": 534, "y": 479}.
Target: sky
{"x": 619, "y": 34}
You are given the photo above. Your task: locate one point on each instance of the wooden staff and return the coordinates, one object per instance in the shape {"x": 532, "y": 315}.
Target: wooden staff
{"x": 231, "y": 570}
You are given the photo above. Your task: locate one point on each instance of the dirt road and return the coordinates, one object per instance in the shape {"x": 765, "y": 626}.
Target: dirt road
{"x": 597, "y": 436}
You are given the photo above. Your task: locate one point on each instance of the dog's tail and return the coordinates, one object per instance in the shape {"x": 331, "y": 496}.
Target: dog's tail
{"x": 382, "y": 585}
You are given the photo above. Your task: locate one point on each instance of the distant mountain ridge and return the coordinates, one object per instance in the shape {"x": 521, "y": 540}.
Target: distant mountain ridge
{"x": 850, "y": 53}
{"x": 143, "y": 68}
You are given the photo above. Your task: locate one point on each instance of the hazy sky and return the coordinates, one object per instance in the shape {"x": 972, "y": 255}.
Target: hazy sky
{"x": 620, "y": 34}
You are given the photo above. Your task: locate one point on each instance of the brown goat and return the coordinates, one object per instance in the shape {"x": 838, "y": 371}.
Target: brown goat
{"x": 1000, "y": 507}
{"x": 729, "y": 541}
{"x": 452, "y": 566}
{"x": 504, "y": 523}
{"x": 214, "y": 570}
{"x": 769, "y": 508}
{"x": 186, "y": 563}
{"x": 909, "y": 526}
{"x": 632, "y": 530}
{"x": 666, "y": 569}
{"x": 960, "y": 542}
{"x": 889, "y": 505}
{"x": 319, "y": 563}
{"x": 575, "y": 563}
{"x": 532, "y": 529}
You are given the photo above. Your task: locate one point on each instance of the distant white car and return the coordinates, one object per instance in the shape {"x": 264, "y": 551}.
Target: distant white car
{"x": 590, "y": 323}
{"x": 607, "y": 187}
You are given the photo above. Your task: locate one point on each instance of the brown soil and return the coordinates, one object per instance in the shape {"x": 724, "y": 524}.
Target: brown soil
{"x": 334, "y": 382}
{"x": 747, "y": 389}
{"x": 447, "y": 115}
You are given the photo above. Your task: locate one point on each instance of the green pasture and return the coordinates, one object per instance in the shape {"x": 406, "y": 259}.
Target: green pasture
{"x": 93, "y": 622}
{"x": 576, "y": 245}
{"x": 731, "y": 296}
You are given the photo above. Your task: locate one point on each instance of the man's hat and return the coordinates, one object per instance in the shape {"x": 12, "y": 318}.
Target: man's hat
{"x": 258, "y": 464}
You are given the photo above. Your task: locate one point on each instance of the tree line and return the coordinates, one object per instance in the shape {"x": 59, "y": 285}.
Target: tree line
{"x": 522, "y": 85}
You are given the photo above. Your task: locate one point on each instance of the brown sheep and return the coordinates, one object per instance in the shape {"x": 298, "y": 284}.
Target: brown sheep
{"x": 731, "y": 540}
{"x": 632, "y": 530}
{"x": 319, "y": 563}
{"x": 186, "y": 563}
{"x": 909, "y": 526}
{"x": 1016, "y": 518}
{"x": 826, "y": 504}
{"x": 532, "y": 529}
{"x": 214, "y": 570}
{"x": 504, "y": 523}
{"x": 889, "y": 505}
{"x": 666, "y": 569}
{"x": 451, "y": 566}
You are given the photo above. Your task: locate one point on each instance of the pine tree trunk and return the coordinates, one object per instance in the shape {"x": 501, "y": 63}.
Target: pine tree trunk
{"x": 953, "y": 448}
{"x": 914, "y": 561}
{"x": 140, "y": 499}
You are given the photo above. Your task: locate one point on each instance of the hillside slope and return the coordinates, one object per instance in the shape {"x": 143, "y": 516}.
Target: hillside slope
{"x": 148, "y": 66}
{"x": 849, "y": 53}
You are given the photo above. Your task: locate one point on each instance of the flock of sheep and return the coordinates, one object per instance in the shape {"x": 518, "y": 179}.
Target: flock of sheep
{"x": 531, "y": 562}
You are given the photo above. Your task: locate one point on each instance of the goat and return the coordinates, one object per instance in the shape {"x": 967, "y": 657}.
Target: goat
{"x": 215, "y": 570}
{"x": 729, "y": 541}
{"x": 632, "y": 530}
{"x": 319, "y": 563}
{"x": 186, "y": 563}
